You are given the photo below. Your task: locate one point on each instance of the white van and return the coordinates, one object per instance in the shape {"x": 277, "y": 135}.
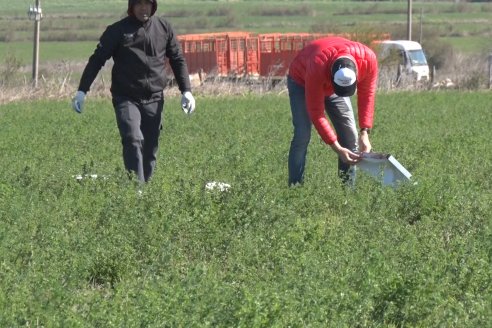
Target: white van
{"x": 410, "y": 56}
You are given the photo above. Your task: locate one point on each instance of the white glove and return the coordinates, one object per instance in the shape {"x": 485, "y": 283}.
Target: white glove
{"x": 188, "y": 102}
{"x": 78, "y": 101}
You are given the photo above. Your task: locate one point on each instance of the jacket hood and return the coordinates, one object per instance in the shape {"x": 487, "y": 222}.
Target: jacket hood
{"x": 131, "y": 3}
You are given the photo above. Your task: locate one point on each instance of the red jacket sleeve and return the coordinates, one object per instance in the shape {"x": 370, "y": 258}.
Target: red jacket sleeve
{"x": 366, "y": 93}
{"x": 315, "y": 84}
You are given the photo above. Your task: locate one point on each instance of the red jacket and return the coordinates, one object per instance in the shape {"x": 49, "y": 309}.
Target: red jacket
{"x": 311, "y": 68}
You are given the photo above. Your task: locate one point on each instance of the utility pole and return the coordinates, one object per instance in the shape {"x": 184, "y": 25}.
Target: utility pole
{"x": 409, "y": 20}
{"x": 490, "y": 70}
{"x": 35, "y": 14}
{"x": 421, "y": 18}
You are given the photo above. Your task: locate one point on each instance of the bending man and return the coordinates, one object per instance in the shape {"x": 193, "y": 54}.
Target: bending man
{"x": 321, "y": 79}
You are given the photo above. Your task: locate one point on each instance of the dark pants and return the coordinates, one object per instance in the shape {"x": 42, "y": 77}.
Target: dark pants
{"x": 139, "y": 123}
{"x": 341, "y": 115}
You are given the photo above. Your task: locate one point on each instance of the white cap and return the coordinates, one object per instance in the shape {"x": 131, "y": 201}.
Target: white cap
{"x": 344, "y": 82}
{"x": 344, "y": 77}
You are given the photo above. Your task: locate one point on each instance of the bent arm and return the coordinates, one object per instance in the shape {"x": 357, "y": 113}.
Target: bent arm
{"x": 178, "y": 62}
{"x": 315, "y": 102}
{"x": 366, "y": 94}
{"x": 104, "y": 51}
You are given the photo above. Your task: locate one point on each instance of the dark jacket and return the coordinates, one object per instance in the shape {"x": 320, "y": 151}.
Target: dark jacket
{"x": 139, "y": 52}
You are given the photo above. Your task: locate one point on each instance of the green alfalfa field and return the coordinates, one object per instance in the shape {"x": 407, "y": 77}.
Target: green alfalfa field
{"x": 93, "y": 253}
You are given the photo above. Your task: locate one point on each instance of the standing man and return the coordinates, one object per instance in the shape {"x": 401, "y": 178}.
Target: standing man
{"x": 139, "y": 45}
{"x": 321, "y": 78}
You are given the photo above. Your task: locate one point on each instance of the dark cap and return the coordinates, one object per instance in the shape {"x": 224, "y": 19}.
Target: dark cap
{"x": 344, "y": 77}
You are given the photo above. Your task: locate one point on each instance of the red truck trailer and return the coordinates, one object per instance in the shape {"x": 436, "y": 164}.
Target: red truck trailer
{"x": 229, "y": 54}
{"x": 244, "y": 54}
{"x": 277, "y": 50}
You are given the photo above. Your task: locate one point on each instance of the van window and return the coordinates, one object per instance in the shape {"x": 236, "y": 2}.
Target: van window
{"x": 417, "y": 57}
{"x": 393, "y": 56}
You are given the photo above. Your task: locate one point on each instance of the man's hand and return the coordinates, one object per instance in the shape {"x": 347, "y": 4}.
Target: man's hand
{"x": 345, "y": 154}
{"x": 78, "y": 101}
{"x": 188, "y": 102}
{"x": 349, "y": 156}
{"x": 364, "y": 143}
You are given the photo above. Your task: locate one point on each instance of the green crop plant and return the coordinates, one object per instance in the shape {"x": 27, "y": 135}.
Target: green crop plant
{"x": 92, "y": 252}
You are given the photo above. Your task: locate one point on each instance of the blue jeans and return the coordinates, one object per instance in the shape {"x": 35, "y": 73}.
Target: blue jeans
{"x": 341, "y": 115}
